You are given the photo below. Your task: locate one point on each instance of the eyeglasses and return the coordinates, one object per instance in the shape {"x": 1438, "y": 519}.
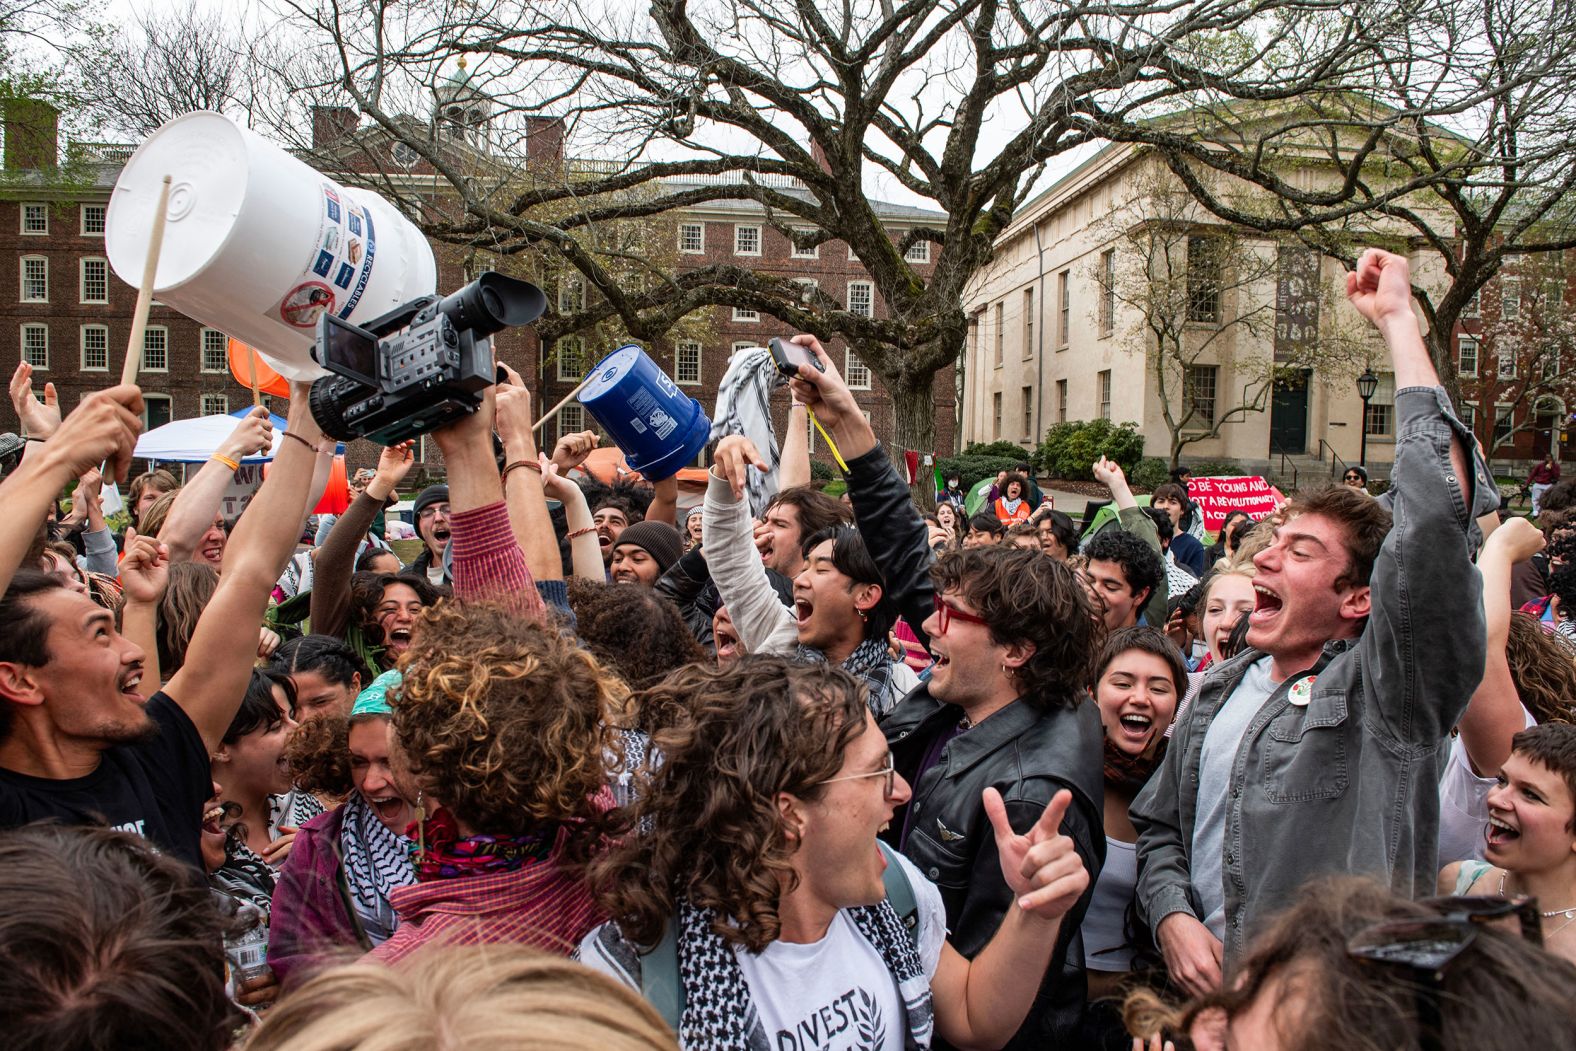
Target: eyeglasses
{"x": 1427, "y": 946}
{"x": 889, "y": 772}
{"x": 1354, "y": 478}
{"x": 434, "y": 509}
{"x": 946, "y": 612}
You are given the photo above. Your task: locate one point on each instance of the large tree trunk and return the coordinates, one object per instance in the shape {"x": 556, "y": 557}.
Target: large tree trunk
{"x": 914, "y": 412}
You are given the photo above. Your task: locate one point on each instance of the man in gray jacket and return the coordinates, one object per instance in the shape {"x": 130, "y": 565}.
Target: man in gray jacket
{"x": 1318, "y": 749}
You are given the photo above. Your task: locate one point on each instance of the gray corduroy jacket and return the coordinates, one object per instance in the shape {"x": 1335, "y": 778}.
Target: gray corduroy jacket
{"x": 1343, "y": 777}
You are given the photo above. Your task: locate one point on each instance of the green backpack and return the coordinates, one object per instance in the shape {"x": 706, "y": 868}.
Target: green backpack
{"x": 659, "y": 968}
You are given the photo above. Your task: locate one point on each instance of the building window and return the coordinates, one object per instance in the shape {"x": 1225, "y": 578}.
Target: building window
{"x": 95, "y": 280}
{"x": 746, "y": 314}
{"x": 571, "y": 294}
{"x": 1198, "y": 394}
{"x": 855, "y": 372}
{"x": 1474, "y": 306}
{"x": 1379, "y": 417}
{"x": 995, "y": 415}
{"x": 686, "y": 362}
{"x": 92, "y": 220}
{"x": 1028, "y": 323}
{"x": 1028, "y": 413}
{"x": 1203, "y": 279}
{"x": 35, "y": 279}
{"x": 1061, "y": 401}
{"x": 95, "y": 348}
{"x": 571, "y": 418}
{"x": 571, "y": 361}
{"x": 918, "y": 252}
{"x": 1064, "y": 308}
{"x": 692, "y": 239}
{"x": 1103, "y": 393}
{"x": 1507, "y": 365}
{"x": 794, "y": 251}
{"x": 35, "y": 345}
{"x": 1504, "y": 421}
{"x": 861, "y": 298}
{"x": 35, "y": 219}
{"x": 746, "y": 240}
{"x": 215, "y": 404}
{"x": 741, "y": 344}
{"x": 156, "y": 349}
{"x": 1107, "y": 291}
{"x": 1001, "y": 331}
{"x": 215, "y": 351}
{"x": 1468, "y": 361}
{"x": 157, "y": 410}
{"x": 1468, "y": 416}
{"x": 1510, "y": 299}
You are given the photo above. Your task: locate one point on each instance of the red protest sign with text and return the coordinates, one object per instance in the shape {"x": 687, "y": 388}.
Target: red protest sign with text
{"x": 1218, "y": 497}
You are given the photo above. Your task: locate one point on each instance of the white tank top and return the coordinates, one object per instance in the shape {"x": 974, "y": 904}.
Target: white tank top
{"x": 1106, "y": 947}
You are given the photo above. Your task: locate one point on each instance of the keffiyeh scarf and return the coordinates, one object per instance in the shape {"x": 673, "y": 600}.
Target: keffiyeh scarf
{"x": 718, "y": 1014}
{"x": 445, "y": 854}
{"x": 376, "y": 862}
{"x": 871, "y": 662}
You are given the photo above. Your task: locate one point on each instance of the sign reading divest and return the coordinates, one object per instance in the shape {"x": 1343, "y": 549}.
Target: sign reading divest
{"x": 1218, "y": 497}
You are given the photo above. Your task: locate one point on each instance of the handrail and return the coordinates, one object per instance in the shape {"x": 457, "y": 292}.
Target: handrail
{"x": 1276, "y": 450}
{"x": 1334, "y": 459}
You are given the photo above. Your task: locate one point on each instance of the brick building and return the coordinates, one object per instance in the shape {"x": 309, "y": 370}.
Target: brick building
{"x": 70, "y": 316}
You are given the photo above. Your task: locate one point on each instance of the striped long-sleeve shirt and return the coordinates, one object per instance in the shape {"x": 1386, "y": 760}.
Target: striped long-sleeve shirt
{"x": 488, "y": 562}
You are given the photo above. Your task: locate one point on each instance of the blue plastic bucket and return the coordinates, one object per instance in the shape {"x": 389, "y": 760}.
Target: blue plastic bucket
{"x": 659, "y": 427}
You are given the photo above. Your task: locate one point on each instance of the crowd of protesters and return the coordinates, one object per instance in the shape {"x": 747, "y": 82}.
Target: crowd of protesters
{"x": 597, "y": 770}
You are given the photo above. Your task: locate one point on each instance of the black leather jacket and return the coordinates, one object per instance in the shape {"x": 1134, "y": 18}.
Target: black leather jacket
{"x": 1026, "y": 754}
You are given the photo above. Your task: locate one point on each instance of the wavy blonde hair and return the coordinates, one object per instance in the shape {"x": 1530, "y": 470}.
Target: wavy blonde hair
{"x": 508, "y": 723}
{"x": 445, "y": 998}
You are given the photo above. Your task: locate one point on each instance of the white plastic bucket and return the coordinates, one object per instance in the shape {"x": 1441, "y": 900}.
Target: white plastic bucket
{"x": 256, "y": 243}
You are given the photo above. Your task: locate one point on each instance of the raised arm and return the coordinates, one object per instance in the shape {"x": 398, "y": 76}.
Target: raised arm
{"x": 1424, "y": 587}
{"x": 488, "y": 562}
{"x": 890, "y": 524}
{"x": 198, "y": 502}
{"x": 98, "y": 544}
{"x": 523, "y": 483}
{"x": 585, "y": 552}
{"x": 144, "y": 575}
{"x": 1495, "y": 714}
{"x": 765, "y": 626}
{"x": 213, "y": 680}
{"x": 794, "y": 466}
{"x": 334, "y": 564}
{"x": 1133, "y": 520}
{"x": 104, "y": 427}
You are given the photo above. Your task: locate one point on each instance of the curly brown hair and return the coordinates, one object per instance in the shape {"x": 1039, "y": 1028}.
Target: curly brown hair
{"x": 634, "y": 631}
{"x": 1543, "y": 667}
{"x": 318, "y": 755}
{"x": 507, "y": 724}
{"x": 1026, "y": 597}
{"x": 740, "y": 735}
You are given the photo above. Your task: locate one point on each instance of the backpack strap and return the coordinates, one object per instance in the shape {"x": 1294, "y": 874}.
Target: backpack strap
{"x": 900, "y": 892}
{"x": 659, "y": 969}
{"x": 659, "y": 977}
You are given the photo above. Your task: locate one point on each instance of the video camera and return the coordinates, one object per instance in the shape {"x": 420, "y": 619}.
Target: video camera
{"x": 389, "y": 387}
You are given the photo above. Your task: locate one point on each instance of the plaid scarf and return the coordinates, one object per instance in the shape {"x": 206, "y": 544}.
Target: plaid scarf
{"x": 718, "y": 1014}
{"x": 871, "y": 662}
{"x": 445, "y": 854}
{"x": 376, "y": 863}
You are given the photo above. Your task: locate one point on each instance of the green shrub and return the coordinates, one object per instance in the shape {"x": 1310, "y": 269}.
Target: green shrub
{"x": 1150, "y": 472}
{"x": 821, "y": 472}
{"x": 1012, "y": 450}
{"x": 1070, "y": 449}
{"x": 971, "y": 469}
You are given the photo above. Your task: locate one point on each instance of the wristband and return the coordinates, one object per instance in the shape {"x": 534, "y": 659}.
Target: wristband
{"x": 231, "y": 464}
{"x": 582, "y": 531}
{"x": 303, "y": 441}
{"x": 529, "y": 465}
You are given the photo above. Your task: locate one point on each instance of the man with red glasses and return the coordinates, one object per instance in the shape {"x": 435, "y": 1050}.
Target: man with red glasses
{"x": 1014, "y": 638}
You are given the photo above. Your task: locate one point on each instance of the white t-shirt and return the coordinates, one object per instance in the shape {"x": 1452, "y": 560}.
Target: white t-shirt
{"x": 835, "y": 993}
{"x": 1105, "y": 943}
{"x": 1463, "y": 806}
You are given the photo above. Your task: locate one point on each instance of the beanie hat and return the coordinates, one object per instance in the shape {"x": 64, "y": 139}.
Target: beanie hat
{"x": 660, "y": 540}
{"x": 433, "y": 494}
{"x": 374, "y": 699}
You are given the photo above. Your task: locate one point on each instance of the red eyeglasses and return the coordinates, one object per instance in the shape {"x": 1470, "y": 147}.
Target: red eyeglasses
{"x": 946, "y": 612}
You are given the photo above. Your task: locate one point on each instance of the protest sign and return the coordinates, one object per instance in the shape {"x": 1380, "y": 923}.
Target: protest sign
{"x": 1218, "y": 497}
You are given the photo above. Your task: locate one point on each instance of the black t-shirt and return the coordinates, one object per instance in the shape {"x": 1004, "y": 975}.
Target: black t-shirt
{"x": 155, "y": 788}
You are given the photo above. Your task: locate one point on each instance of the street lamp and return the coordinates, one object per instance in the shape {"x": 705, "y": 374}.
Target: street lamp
{"x": 1367, "y": 383}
